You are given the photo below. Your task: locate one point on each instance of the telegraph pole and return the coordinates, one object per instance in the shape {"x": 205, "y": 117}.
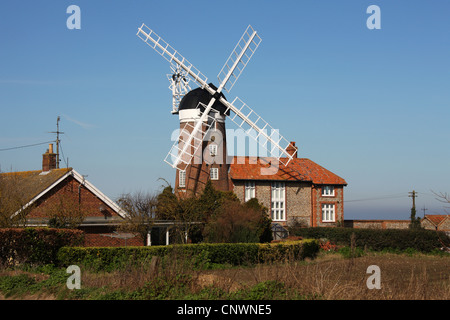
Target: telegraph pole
{"x": 413, "y": 195}
{"x": 414, "y": 221}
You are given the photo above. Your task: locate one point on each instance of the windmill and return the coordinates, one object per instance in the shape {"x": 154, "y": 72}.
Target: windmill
{"x": 198, "y": 152}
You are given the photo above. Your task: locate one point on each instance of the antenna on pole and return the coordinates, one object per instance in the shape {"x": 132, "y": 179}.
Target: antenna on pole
{"x": 57, "y": 141}
{"x": 424, "y": 209}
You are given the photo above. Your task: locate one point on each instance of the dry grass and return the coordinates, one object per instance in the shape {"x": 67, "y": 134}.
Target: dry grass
{"x": 328, "y": 277}
{"x": 331, "y": 277}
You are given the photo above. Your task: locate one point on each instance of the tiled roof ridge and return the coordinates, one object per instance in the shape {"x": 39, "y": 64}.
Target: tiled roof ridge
{"x": 299, "y": 169}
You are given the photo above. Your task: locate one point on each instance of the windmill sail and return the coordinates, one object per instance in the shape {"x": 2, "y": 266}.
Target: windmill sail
{"x": 267, "y": 137}
{"x": 236, "y": 62}
{"x": 170, "y": 54}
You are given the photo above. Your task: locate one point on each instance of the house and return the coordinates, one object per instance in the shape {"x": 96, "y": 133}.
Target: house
{"x": 302, "y": 192}
{"x": 439, "y": 222}
{"x": 53, "y": 190}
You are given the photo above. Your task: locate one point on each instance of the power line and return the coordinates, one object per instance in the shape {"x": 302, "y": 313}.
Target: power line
{"x": 26, "y": 146}
{"x": 64, "y": 157}
{"x": 402, "y": 195}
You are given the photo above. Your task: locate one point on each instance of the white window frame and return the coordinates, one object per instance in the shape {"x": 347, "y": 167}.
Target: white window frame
{"x": 278, "y": 201}
{"x": 214, "y": 173}
{"x": 213, "y": 150}
{"x": 182, "y": 179}
{"x": 327, "y": 191}
{"x": 249, "y": 190}
{"x": 328, "y": 212}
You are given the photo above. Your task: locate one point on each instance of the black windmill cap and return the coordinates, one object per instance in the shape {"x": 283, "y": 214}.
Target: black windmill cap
{"x": 194, "y": 97}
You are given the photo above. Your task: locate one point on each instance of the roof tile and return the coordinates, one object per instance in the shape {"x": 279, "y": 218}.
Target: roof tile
{"x": 298, "y": 169}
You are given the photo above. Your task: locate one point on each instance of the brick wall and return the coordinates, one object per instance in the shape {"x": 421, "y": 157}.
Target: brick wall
{"x": 197, "y": 174}
{"x": 70, "y": 193}
{"x": 377, "y": 224}
{"x": 297, "y": 198}
{"x": 337, "y": 200}
{"x": 105, "y": 236}
{"x": 298, "y": 202}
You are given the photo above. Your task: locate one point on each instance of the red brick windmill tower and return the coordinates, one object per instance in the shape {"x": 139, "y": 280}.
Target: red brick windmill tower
{"x": 200, "y": 153}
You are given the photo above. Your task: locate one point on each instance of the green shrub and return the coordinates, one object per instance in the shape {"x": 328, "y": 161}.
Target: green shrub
{"x": 378, "y": 240}
{"x": 266, "y": 290}
{"x": 35, "y": 245}
{"x": 11, "y": 285}
{"x": 347, "y": 252}
{"x": 198, "y": 255}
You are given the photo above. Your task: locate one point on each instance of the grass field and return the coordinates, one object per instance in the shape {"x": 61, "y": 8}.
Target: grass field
{"x": 328, "y": 277}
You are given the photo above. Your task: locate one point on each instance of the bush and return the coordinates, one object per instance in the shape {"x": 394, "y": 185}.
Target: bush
{"x": 35, "y": 246}
{"x": 378, "y": 240}
{"x": 113, "y": 258}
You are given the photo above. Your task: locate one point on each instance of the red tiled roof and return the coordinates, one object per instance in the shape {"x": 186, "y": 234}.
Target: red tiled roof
{"x": 298, "y": 169}
{"x": 436, "y": 218}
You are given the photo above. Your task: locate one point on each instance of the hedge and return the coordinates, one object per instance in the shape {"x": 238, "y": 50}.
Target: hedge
{"x": 35, "y": 245}
{"x": 110, "y": 258}
{"x": 379, "y": 239}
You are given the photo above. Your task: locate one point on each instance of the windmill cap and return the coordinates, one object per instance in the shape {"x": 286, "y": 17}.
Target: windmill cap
{"x": 192, "y": 99}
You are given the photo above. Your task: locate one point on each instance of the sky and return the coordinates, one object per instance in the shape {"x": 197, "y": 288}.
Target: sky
{"x": 370, "y": 105}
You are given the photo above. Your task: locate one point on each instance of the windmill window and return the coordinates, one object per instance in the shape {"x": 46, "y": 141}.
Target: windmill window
{"x": 278, "y": 205}
{"x": 213, "y": 150}
{"x": 249, "y": 190}
{"x": 214, "y": 173}
{"x": 182, "y": 179}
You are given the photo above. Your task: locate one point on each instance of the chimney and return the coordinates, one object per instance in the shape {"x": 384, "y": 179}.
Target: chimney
{"x": 291, "y": 149}
{"x": 49, "y": 159}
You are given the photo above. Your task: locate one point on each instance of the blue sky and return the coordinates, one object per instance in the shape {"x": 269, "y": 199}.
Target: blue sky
{"x": 370, "y": 105}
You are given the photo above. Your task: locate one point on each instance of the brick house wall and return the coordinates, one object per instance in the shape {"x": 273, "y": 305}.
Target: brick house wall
{"x": 318, "y": 200}
{"x": 298, "y": 202}
{"x": 303, "y": 201}
{"x": 71, "y": 192}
